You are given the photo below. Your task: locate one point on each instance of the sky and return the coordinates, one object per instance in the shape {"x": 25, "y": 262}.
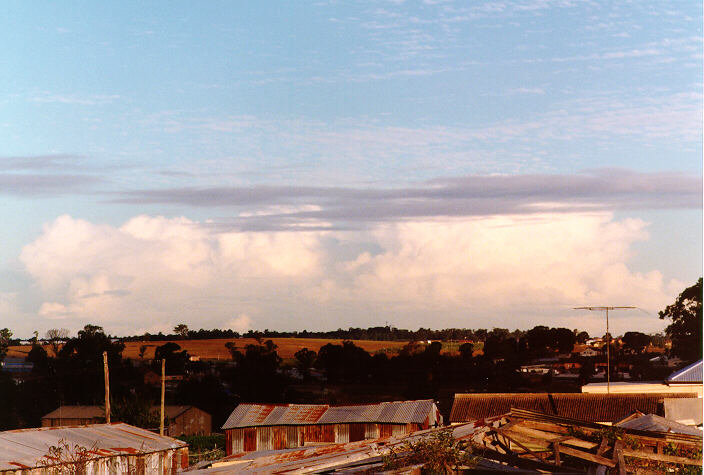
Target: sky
{"x": 321, "y": 165}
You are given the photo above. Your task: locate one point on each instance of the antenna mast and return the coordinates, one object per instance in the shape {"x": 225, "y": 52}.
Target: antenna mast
{"x": 608, "y": 339}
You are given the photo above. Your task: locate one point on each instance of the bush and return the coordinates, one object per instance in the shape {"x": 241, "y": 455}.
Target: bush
{"x": 439, "y": 453}
{"x": 204, "y": 447}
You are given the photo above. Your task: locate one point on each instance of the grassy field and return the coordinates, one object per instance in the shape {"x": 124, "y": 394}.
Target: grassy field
{"x": 215, "y": 349}
{"x": 287, "y": 347}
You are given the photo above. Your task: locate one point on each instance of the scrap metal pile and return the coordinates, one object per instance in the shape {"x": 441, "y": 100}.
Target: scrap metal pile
{"x": 520, "y": 441}
{"x": 536, "y": 441}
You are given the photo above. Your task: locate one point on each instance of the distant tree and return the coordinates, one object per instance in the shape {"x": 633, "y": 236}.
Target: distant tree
{"x": 466, "y": 350}
{"x": 255, "y": 376}
{"x": 56, "y": 336}
{"x": 90, "y": 345}
{"x": 305, "y": 359}
{"x": 499, "y": 346}
{"x": 5, "y": 336}
{"x": 135, "y": 410}
{"x": 686, "y": 327}
{"x": 176, "y": 360}
{"x": 80, "y": 367}
{"x": 582, "y": 337}
{"x": 480, "y": 334}
{"x": 538, "y": 339}
{"x": 182, "y": 330}
{"x": 10, "y": 398}
{"x": 658, "y": 339}
{"x": 344, "y": 363}
{"x": 635, "y": 341}
{"x": 206, "y": 392}
{"x": 562, "y": 339}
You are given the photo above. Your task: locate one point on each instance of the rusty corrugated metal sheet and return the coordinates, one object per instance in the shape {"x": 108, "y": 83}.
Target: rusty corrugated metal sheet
{"x": 251, "y": 415}
{"x": 26, "y": 447}
{"x": 397, "y": 412}
{"x": 319, "y": 459}
{"x": 590, "y": 407}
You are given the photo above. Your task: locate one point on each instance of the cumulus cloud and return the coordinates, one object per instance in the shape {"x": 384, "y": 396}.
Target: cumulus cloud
{"x": 507, "y": 271}
{"x": 242, "y": 323}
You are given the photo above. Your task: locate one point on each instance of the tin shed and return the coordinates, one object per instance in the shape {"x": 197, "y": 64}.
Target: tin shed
{"x": 100, "y": 449}
{"x": 180, "y": 420}
{"x": 254, "y": 427}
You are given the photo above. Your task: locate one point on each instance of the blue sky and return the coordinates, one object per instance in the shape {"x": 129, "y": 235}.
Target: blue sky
{"x": 364, "y": 161}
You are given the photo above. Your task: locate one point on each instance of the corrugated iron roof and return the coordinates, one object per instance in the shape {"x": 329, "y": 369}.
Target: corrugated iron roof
{"x": 76, "y": 412}
{"x": 90, "y": 412}
{"x": 651, "y": 422}
{"x": 27, "y": 447}
{"x": 399, "y": 412}
{"x": 688, "y": 374}
{"x": 591, "y": 407}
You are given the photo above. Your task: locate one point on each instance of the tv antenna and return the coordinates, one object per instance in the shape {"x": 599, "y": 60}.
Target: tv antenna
{"x": 608, "y": 338}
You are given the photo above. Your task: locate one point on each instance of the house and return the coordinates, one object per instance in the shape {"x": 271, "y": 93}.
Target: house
{"x": 608, "y": 408}
{"x": 589, "y": 352}
{"x": 256, "y": 427}
{"x": 686, "y": 380}
{"x": 186, "y": 420}
{"x": 180, "y": 420}
{"x": 74, "y": 416}
{"x": 103, "y": 448}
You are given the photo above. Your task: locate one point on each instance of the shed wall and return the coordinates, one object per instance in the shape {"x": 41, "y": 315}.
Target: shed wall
{"x": 163, "y": 462}
{"x": 251, "y": 439}
{"x": 191, "y": 422}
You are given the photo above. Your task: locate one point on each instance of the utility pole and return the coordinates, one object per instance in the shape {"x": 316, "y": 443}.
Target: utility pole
{"x": 107, "y": 386}
{"x": 608, "y": 340}
{"x": 163, "y": 392}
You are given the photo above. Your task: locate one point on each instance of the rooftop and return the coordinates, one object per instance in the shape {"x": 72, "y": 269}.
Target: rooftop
{"x": 26, "y": 448}
{"x": 400, "y": 412}
{"x": 90, "y": 412}
{"x": 688, "y": 374}
{"x": 592, "y": 407}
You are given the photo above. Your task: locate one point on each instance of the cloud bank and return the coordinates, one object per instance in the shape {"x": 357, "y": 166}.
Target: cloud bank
{"x": 290, "y": 207}
{"x": 152, "y": 272}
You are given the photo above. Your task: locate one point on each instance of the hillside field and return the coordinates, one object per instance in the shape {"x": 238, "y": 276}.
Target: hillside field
{"x": 215, "y": 349}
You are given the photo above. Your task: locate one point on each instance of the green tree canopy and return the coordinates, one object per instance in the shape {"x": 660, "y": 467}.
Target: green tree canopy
{"x": 686, "y": 327}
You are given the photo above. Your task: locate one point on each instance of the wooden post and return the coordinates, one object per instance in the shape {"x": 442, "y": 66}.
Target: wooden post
{"x": 163, "y": 391}
{"x": 556, "y": 448}
{"x": 107, "y": 386}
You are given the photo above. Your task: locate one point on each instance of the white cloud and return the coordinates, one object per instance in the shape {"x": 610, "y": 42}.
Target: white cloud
{"x": 242, "y": 323}
{"x": 507, "y": 271}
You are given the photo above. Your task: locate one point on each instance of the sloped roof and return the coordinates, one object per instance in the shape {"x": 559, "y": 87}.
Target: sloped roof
{"x": 397, "y": 412}
{"x": 76, "y": 412}
{"x": 91, "y": 412}
{"x": 172, "y": 412}
{"x": 590, "y": 407}
{"x": 27, "y": 447}
{"x": 652, "y": 422}
{"x": 688, "y": 374}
